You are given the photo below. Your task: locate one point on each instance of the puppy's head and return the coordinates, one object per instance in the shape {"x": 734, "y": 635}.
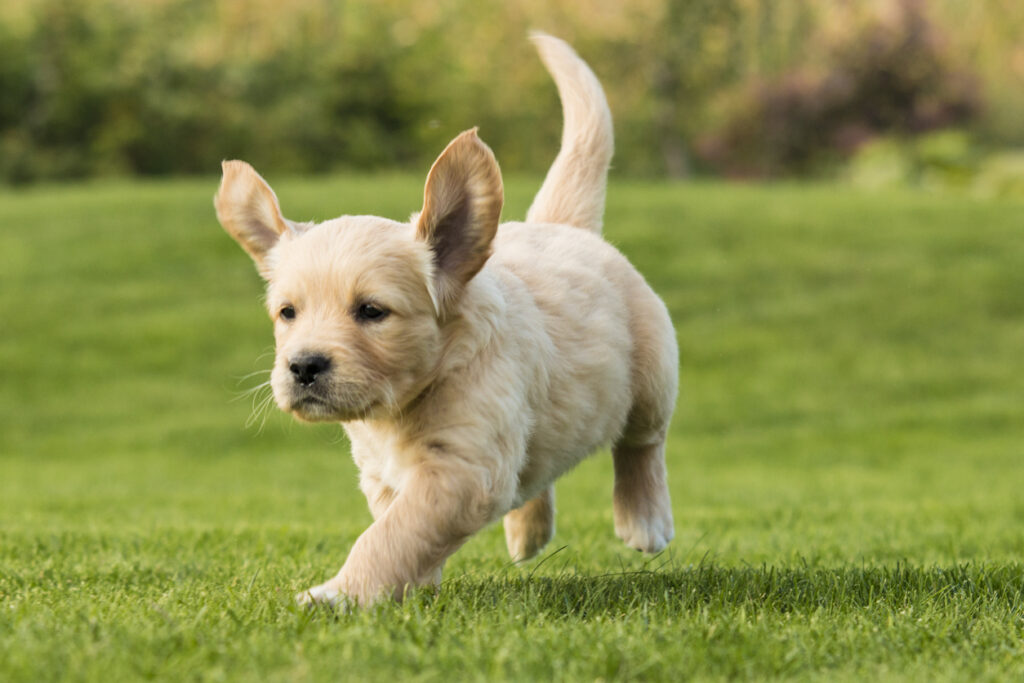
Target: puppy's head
{"x": 359, "y": 303}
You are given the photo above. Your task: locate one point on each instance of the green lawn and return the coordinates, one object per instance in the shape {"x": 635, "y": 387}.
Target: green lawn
{"x": 847, "y": 459}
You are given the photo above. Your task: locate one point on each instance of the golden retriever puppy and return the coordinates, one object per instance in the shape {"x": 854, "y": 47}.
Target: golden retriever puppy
{"x": 470, "y": 363}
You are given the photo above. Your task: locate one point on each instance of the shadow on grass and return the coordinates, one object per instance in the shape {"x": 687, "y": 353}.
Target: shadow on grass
{"x": 754, "y": 589}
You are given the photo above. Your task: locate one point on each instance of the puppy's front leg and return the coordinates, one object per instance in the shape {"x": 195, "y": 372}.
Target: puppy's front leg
{"x": 379, "y": 497}
{"x": 429, "y": 518}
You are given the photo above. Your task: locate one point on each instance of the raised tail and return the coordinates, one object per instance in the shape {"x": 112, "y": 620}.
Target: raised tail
{"x": 573, "y": 191}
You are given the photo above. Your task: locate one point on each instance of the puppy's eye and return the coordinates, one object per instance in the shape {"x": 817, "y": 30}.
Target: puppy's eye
{"x": 371, "y": 312}
{"x": 287, "y": 313}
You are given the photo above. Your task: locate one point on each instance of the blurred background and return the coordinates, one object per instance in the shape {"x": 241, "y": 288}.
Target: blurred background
{"x": 883, "y": 92}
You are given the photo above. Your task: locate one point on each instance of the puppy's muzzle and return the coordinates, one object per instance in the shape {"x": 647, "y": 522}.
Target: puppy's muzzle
{"x": 306, "y": 367}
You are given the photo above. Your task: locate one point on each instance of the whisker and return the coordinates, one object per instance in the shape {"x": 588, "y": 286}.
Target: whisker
{"x": 267, "y": 407}
{"x": 254, "y": 408}
{"x": 268, "y": 352}
{"x": 260, "y": 409}
{"x": 254, "y": 373}
{"x": 252, "y": 390}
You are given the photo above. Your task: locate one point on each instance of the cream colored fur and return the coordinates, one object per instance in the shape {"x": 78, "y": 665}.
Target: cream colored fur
{"x": 472, "y": 364}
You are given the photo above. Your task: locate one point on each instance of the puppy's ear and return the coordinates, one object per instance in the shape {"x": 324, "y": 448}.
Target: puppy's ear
{"x": 461, "y": 206}
{"x": 248, "y": 210}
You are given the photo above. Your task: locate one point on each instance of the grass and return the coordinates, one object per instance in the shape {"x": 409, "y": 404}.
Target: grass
{"x": 846, "y": 460}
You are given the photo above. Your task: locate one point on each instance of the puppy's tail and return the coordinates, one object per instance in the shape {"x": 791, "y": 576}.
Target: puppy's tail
{"x": 573, "y": 191}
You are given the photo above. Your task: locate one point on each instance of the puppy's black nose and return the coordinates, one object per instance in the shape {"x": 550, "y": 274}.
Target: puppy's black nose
{"x": 306, "y": 367}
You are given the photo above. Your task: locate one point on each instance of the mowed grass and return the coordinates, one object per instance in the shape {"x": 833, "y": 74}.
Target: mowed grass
{"x": 846, "y": 461}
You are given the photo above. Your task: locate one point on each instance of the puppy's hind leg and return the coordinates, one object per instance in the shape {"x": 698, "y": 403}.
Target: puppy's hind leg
{"x": 528, "y": 528}
{"x": 643, "y": 509}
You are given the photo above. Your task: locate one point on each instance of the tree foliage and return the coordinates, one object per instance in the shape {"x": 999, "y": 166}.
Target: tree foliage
{"x": 173, "y": 86}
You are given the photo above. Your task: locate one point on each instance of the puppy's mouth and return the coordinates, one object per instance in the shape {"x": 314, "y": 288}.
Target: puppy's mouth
{"x": 312, "y": 408}
{"x": 309, "y": 403}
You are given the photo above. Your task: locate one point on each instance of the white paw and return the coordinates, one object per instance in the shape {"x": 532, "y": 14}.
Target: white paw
{"x": 649, "y": 535}
{"x": 324, "y": 594}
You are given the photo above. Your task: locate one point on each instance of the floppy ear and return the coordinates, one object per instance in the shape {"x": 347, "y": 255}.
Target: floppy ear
{"x": 461, "y": 206}
{"x": 247, "y": 209}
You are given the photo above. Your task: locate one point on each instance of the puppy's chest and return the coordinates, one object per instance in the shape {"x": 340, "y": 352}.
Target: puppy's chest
{"x": 382, "y": 455}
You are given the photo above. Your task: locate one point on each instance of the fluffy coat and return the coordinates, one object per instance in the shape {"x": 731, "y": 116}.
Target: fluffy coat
{"x": 471, "y": 364}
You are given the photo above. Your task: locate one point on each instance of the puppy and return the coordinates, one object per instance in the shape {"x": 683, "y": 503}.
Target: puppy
{"x": 471, "y": 363}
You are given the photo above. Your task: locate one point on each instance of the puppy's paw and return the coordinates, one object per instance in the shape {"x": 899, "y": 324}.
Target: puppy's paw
{"x": 326, "y": 594}
{"x": 525, "y": 535}
{"x": 650, "y": 533}
{"x": 525, "y": 543}
{"x": 529, "y": 528}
